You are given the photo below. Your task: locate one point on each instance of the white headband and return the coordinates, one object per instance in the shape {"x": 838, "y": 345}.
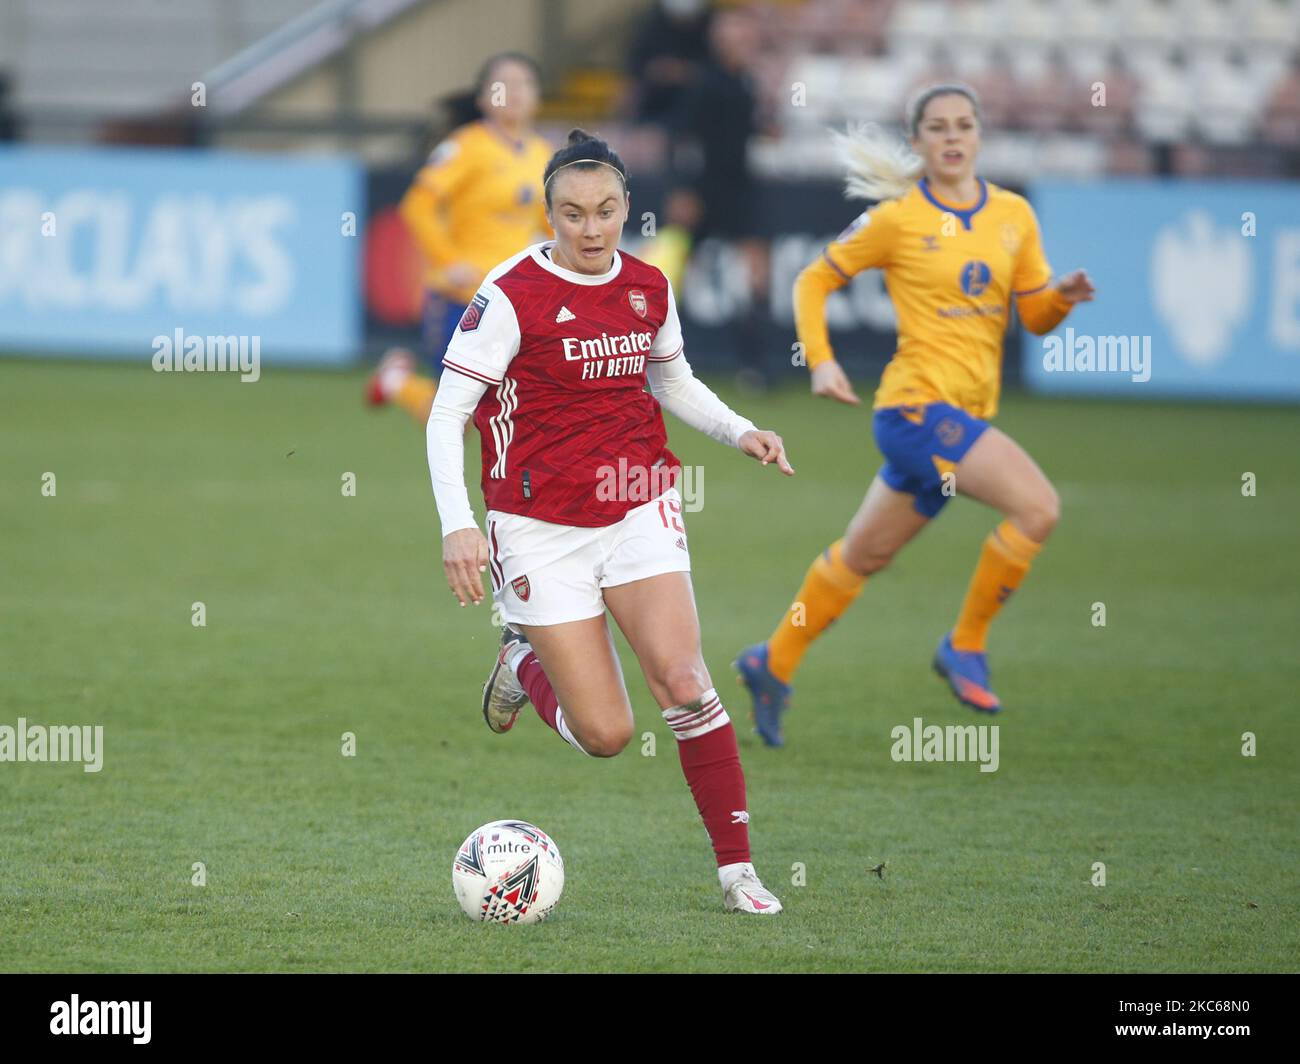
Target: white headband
{"x": 598, "y": 162}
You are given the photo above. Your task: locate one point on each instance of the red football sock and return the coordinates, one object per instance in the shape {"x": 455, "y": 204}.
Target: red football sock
{"x": 532, "y": 678}
{"x": 706, "y": 746}
{"x": 540, "y": 692}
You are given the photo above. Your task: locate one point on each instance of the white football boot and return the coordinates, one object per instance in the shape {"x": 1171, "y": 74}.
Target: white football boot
{"x": 503, "y": 697}
{"x": 744, "y": 893}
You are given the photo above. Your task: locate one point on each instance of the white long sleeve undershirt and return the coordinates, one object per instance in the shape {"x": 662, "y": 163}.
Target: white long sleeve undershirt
{"x": 672, "y": 383}
{"x": 685, "y": 396}
{"x": 444, "y": 435}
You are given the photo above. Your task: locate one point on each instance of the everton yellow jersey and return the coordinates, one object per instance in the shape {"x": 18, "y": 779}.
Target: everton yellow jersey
{"x": 477, "y": 200}
{"x": 951, "y": 270}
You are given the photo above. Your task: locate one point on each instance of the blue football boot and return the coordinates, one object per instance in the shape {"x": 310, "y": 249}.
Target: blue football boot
{"x": 771, "y": 696}
{"x": 967, "y": 673}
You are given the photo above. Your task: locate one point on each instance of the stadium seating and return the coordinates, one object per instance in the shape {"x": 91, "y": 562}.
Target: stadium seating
{"x": 1217, "y": 73}
{"x": 124, "y": 57}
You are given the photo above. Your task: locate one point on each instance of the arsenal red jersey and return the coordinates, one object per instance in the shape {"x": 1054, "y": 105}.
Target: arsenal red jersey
{"x": 564, "y": 356}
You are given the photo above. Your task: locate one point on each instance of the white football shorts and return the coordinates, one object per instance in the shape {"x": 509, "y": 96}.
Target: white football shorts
{"x": 544, "y": 573}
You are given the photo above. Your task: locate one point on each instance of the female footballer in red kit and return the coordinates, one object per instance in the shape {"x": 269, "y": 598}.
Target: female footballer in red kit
{"x": 551, "y": 359}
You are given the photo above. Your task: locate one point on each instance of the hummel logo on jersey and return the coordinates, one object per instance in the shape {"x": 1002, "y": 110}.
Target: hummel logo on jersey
{"x": 565, "y": 315}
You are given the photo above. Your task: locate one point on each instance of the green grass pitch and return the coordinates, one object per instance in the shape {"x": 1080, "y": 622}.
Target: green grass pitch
{"x": 328, "y": 614}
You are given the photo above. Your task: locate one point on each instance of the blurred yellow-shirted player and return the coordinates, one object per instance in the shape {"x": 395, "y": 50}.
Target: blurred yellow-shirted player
{"x": 476, "y": 202}
{"x": 955, "y": 250}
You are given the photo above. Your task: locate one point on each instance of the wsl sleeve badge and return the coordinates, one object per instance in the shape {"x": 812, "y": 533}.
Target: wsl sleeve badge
{"x": 469, "y": 321}
{"x": 508, "y": 872}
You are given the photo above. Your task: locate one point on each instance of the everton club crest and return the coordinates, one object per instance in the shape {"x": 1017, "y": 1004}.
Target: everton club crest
{"x": 637, "y": 299}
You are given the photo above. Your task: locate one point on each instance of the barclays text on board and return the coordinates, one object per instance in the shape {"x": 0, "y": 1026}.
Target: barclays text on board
{"x": 103, "y": 250}
{"x": 1198, "y": 290}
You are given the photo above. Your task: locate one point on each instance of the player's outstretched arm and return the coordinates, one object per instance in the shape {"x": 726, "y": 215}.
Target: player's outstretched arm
{"x": 1076, "y": 287}
{"x": 830, "y": 380}
{"x": 1043, "y": 310}
{"x": 464, "y": 548}
{"x": 811, "y": 290}
{"x": 465, "y": 560}
{"x": 685, "y": 396}
{"x": 766, "y": 446}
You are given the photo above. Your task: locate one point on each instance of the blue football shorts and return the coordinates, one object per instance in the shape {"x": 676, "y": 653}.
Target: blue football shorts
{"x": 920, "y": 444}
{"x": 438, "y": 326}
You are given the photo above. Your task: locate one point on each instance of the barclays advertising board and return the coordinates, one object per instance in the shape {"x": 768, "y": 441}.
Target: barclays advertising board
{"x": 111, "y": 252}
{"x": 1198, "y": 289}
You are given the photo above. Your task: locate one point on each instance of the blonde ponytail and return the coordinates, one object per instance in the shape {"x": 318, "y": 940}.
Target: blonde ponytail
{"x": 880, "y": 166}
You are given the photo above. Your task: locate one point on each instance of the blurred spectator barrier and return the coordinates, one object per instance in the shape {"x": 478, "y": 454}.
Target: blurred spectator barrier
{"x": 102, "y": 250}
{"x": 1206, "y": 275}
